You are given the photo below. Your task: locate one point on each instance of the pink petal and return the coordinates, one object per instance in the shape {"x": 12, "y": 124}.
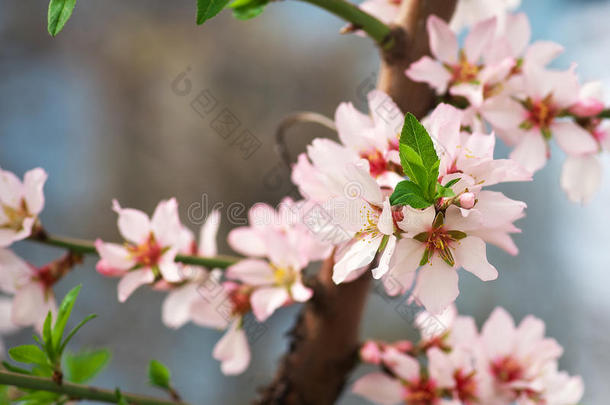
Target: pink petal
{"x": 472, "y": 256}
{"x": 498, "y": 333}
{"x": 114, "y": 259}
{"x": 300, "y": 293}
{"x": 416, "y": 221}
{"x": 384, "y": 261}
{"x": 532, "y": 152}
{"x": 379, "y": 388}
{"x": 247, "y": 241}
{"x": 441, "y": 368}
{"x": 11, "y": 189}
{"x": 14, "y": 271}
{"x": 134, "y": 225}
{"x": 251, "y": 271}
{"x": 386, "y": 223}
{"x": 207, "y": 235}
{"x": 405, "y": 366}
{"x": 132, "y": 280}
{"x": 266, "y": 300}
{"x": 165, "y": 223}
{"x": 30, "y": 305}
{"x": 573, "y": 138}
{"x": 581, "y": 177}
{"x": 403, "y": 266}
{"x": 176, "y": 309}
{"x": 33, "y": 183}
{"x": 437, "y": 285}
{"x": 209, "y": 313}
{"x": 541, "y": 53}
{"x": 443, "y": 43}
{"x": 478, "y": 39}
{"x": 6, "y": 323}
{"x": 359, "y": 255}
{"x": 429, "y": 71}
{"x": 170, "y": 270}
{"x": 232, "y": 351}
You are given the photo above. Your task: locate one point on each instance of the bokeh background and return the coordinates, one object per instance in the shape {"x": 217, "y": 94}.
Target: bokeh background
{"x": 96, "y": 108}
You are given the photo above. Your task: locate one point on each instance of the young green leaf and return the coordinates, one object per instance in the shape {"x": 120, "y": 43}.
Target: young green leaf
{"x": 207, "y": 9}
{"x": 84, "y": 366}
{"x": 28, "y": 354}
{"x": 246, "y": 9}
{"x": 409, "y": 193}
{"x": 15, "y": 369}
{"x": 47, "y": 336}
{"x": 59, "y": 13}
{"x": 65, "y": 309}
{"x": 159, "y": 375}
{"x": 73, "y": 331}
{"x": 418, "y": 156}
{"x": 442, "y": 191}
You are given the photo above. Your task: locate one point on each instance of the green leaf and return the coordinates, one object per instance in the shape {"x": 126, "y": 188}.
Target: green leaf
{"x": 120, "y": 398}
{"x": 59, "y": 13}
{"x": 246, "y": 9}
{"x": 65, "y": 309}
{"x": 15, "y": 369}
{"x": 450, "y": 183}
{"x": 418, "y": 156}
{"x": 39, "y": 398}
{"x": 442, "y": 191}
{"x": 159, "y": 375}
{"x": 409, "y": 193}
{"x": 47, "y": 336}
{"x": 85, "y": 365}
{"x": 76, "y": 329}
{"x": 207, "y": 9}
{"x": 28, "y": 354}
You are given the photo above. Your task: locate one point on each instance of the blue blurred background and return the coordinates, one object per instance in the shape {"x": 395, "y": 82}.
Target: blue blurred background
{"x": 96, "y": 109}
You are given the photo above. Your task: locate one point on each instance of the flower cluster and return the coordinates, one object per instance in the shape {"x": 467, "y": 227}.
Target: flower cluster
{"x": 454, "y": 364}
{"x": 20, "y": 204}
{"x": 277, "y": 246}
{"x": 499, "y": 79}
{"x": 439, "y": 219}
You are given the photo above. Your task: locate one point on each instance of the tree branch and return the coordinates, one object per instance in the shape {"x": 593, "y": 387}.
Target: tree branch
{"x": 410, "y": 35}
{"x": 87, "y": 247}
{"x": 75, "y": 391}
{"x": 324, "y": 344}
{"x": 351, "y": 13}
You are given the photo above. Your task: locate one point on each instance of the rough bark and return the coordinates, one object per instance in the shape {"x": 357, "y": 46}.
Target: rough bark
{"x": 325, "y": 339}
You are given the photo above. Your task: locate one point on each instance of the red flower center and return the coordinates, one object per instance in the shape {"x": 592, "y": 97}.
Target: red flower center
{"x": 465, "y": 386}
{"x": 421, "y": 392}
{"x": 541, "y": 113}
{"x": 377, "y": 162}
{"x": 148, "y": 253}
{"x": 240, "y": 298}
{"x": 506, "y": 369}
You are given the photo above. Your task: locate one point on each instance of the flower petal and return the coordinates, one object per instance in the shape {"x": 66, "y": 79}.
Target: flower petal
{"x": 266, "y": 300}
{"x": 384, "y": 261}
{"x": 471, "y": 255}
{"x": 251, "y": 271}
{"x": 134, "y": 225}
{"x": 437, "y": 285}
{"x": 33, "y": 183}
{"x": 247, "y": 241}
{"x": 581, "y": 177}
{"x": 232, "y": 351}
{"x": 532, "y": 152}
{"x": 429, "y": 71}
{"x": 165, "y": 223}
{"x": 176, "y": 309}
{"x": 132, "y": 280}
{"x": 379, "y": 388}
{"x": 443, "y": 42}
{"x": 573, "y": 139}
{"x": 207, "y": 235}
{"x": 359, "y": 255}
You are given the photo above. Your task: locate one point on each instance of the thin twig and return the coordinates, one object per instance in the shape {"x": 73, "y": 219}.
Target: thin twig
{"x": 75, "y": 391}
{"x": 294, "y": 119}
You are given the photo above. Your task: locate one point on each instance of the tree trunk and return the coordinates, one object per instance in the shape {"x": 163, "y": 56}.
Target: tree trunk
{"x": 325, "y": 340}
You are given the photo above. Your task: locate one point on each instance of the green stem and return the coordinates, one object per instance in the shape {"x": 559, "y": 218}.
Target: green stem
{"x": 87, "y": 247}
{"x": 604, "y": 114}
{"x": 75, "y": 391}
{"x": 351, "y": 13}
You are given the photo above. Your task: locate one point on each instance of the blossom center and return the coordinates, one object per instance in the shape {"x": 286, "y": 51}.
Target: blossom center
{"x": 240, "y": 298}
{"x": 420, "y": 392}
{"x": 377, "y": 162}
{"x": 465, "y": 386}
{"x": 284, "y": 276}
{"x": 541, "y": 113}
{"x": 506, "y": 369}
{"x": 146, "y": 254}
{"x": 439, "y": 240}
{"x": 15, "y": 216}
{"x": 464, "y": 71}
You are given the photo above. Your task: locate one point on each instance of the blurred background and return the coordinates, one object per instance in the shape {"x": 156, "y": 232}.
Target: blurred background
{"x": 99, "y": 108}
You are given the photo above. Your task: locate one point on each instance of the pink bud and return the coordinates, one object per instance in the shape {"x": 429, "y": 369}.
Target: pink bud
{"x": 370, "y": 353}
{"x": 403, "y": 346}
{"x": 587, "y": 107}
{"x": 467, "y": 200}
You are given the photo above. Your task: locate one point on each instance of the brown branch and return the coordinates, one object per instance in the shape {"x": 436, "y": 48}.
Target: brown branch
{"x": 409, "y": 30}
{"x": 324, "y": 344}
{"x": 324, "y": 341}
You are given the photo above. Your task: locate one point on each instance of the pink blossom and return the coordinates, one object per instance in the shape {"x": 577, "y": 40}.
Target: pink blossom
{"x": 176, "y": 309}
{"x": 31, "y": 288}
{"x": 20, "y": 204}
{"x": 469, "y": 12}
{"x": 370, "y": 352}
{"x": 530, "y": 123}
{"x": 150, "y": 248}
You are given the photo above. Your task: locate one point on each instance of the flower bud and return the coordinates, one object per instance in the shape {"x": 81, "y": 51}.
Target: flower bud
{"x": 467, "y": 200}
{"x": 370, "y": 352}
{"x": 588, "y": 107}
